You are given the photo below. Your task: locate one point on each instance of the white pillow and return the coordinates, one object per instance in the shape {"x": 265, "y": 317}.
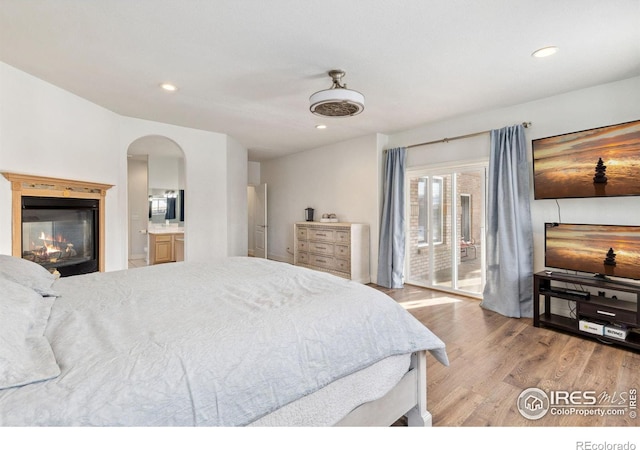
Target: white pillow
{"x": 25, "y": 353}
{"x": 28, "y": 274}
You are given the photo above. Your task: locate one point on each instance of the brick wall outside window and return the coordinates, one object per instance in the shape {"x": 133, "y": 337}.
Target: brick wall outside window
{"x": 468, "y": 183}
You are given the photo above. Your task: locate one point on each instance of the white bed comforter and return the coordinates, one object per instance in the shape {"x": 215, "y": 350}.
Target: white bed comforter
{"x": 220, "y": 343}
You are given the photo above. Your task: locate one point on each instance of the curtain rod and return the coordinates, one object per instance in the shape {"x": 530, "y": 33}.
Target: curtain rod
{"x": 445, "y": 140}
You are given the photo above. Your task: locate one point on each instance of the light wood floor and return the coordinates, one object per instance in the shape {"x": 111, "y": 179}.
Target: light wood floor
{"x": 494, "y": 358}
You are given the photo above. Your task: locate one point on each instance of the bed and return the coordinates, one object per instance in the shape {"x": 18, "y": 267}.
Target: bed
{"x": 231, "y": 342}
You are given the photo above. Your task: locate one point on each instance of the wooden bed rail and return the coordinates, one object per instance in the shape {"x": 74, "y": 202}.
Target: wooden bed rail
{"x": 407, "y": 398}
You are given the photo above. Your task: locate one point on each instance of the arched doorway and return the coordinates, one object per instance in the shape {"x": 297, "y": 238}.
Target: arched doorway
{"x": 155, "y": 191}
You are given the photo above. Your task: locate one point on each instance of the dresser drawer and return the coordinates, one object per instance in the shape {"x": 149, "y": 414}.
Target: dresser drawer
{"x": 326, "y": 262}
{"x": 321, "y": 247}
{"x": 302, "y": 232}
{"x": 608, "y": 313}
{"x": 322, "y": 234}
{"x": 342, "y": 251}
{"x": 343, "y": 236}
{"x": 340, "y": 248}
{"x": 303, "y": 258}
{"x": 343, "y": 265}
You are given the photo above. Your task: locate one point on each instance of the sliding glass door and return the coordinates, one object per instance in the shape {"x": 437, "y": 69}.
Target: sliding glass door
{"x": 446, "y": 223}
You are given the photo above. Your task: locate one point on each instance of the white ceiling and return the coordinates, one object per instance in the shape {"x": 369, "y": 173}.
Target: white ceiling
{"x": 247, "y": 67}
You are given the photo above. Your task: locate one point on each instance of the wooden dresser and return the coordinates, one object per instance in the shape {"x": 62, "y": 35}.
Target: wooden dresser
{"x": 338, "y": 248}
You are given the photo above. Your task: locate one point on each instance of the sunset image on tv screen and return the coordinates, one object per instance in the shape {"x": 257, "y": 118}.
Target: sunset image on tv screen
{"x": 610, "y": 250}
{"x": 600, "y": 162}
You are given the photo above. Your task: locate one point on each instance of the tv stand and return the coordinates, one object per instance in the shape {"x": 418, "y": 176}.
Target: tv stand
{"x": 601, "y": 307}
{"x": 596, "y": 276}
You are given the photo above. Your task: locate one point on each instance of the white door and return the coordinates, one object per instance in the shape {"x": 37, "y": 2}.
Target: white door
{"x": 446, "y": 229}
{"x": 260, "y": 233}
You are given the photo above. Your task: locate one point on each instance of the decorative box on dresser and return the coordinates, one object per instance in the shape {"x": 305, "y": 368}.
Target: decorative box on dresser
{"x": 339, "y": 248}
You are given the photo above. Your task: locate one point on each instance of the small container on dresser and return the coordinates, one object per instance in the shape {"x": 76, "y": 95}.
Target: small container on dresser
{"x": 338, "y": 248}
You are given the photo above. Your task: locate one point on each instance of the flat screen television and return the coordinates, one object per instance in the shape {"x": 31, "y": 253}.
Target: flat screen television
{"x": 601, "y": 250}
{"x": 600, "y": 162}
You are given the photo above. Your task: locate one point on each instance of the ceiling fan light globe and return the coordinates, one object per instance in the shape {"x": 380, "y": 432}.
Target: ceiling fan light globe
{"x": 338, "y": 102}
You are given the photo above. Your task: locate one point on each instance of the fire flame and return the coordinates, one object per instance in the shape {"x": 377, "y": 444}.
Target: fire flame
{"x": 50, "y": 250}
{"x": 52, "y": 244}
{"x": 54, "y": 248}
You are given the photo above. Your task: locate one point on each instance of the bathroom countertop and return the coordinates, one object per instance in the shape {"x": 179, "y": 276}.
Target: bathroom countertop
{"x": 167, "y": 230}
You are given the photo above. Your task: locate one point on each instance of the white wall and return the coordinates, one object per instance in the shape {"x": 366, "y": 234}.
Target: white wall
{"x": 253, "y": 169}
{"x": 237, "y": 203}
{"x": 251, "y": 205}
{"x": 573, "y": 111}
{"x": 340, "y": 179}
{"x": 137, "y": 195}
{"x": 346, "y": 178}
{"x": 47, "y": 131}
{"x": 164, "y": 173}
{"x": 213, "y": 186}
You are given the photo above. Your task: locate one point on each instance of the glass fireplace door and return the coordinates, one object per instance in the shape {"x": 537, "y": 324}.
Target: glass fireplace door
{"x": 60, "y": 234}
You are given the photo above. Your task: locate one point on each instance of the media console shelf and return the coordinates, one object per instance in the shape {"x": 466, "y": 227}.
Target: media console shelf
{"x": 595, "y": 301}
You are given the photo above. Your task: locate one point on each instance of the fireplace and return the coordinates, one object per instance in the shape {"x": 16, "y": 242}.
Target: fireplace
{"x": 61, "y": 233}
{"x": 58, "y": 223}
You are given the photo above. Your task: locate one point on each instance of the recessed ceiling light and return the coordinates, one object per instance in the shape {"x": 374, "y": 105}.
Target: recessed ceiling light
{"x": 321, "y": 127}
{"x": 544, "y": 52}
{"x": 169, "y": 87}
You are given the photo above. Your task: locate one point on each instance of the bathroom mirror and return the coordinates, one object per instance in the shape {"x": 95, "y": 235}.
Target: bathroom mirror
{"x": 166, "y": 205}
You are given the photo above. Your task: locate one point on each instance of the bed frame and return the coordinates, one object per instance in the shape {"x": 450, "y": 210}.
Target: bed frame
{"x": 407, "y": 398}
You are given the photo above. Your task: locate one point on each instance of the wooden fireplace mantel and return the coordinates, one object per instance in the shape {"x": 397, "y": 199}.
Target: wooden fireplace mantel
{"x": 36, "y": 186}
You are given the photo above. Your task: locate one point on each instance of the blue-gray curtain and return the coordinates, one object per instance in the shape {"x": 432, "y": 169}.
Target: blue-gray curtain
{"x": 181, "y": 205}
{"x": 392, "y": 231}
{"x": 509, "y": 286}
{"x": 171, "y": 208}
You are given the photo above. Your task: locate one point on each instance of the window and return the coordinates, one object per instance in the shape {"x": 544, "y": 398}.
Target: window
{"x": 437, "y": 218}
{"x": 158, "y": 206}
{"x": 437, "y": 222}
{"x": 422, "y": 210}
{"x": 465, "y": 217}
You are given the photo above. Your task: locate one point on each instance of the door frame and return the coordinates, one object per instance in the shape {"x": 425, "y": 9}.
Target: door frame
{"x": 434, "y": 171}
{"x": 261, "y": 222}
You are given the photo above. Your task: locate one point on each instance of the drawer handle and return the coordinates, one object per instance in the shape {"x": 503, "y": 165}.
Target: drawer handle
{"x": 321, "y": 248}
{"x": 606, "y": 313}
{"x": 321, "y": 260}
{"x": 321, "y": 234}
